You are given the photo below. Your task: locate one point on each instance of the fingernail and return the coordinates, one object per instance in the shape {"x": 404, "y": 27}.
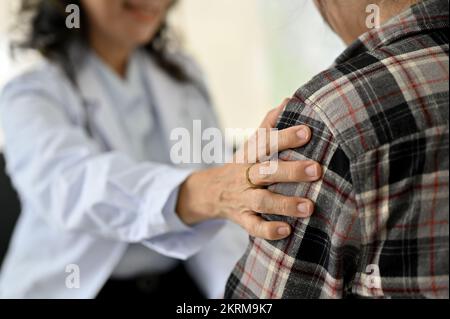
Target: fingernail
{"x": 304, "y": 208}
{"x": 284, "y": 231}
{"x": 312, "y": 171}
{"x": 302, "y": 134}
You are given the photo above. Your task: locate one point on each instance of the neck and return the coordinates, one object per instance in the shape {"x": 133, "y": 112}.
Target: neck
{"x": 388, "y": 9}
{"x": 114, "y": 55}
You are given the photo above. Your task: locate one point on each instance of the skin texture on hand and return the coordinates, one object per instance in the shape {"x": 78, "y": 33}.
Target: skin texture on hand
{"x": 224, "y": 192}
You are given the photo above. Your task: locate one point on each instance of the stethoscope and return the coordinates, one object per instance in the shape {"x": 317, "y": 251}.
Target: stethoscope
{"x": 88, "y": 104}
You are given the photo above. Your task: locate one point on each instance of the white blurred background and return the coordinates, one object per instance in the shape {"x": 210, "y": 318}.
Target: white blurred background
{"x": 254, "y": 52}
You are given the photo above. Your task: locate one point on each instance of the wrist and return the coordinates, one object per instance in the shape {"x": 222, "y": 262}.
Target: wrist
{"x": 192, "y": 205}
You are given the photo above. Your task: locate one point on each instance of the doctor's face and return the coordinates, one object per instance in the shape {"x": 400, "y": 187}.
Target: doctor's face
{"x": 129, "y": 23}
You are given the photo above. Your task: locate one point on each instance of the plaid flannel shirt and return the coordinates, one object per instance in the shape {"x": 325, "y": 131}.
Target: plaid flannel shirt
{"x": 380, "y": 123}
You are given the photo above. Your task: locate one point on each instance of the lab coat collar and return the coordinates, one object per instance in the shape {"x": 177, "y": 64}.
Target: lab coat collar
{"x": 177, "y": 103}
{"x": 126, "y": 91}
{"x": 101, "y": 91}
{"x": 171, "y": 97}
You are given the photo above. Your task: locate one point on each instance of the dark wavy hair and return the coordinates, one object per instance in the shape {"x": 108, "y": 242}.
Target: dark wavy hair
{"x": 48, "y": 34}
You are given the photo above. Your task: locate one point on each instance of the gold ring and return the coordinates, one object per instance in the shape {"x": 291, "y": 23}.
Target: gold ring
{"x": 249, "y": 182}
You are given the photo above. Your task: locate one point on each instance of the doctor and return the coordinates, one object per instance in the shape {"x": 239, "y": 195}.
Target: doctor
{"x": 87, "y": 140}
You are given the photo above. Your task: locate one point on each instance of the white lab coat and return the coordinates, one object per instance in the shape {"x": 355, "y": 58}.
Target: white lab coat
{"x": 86, "y": 199}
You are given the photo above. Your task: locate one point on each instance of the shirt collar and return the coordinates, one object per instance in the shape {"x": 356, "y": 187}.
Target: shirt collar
{"x": 423, "y": 16}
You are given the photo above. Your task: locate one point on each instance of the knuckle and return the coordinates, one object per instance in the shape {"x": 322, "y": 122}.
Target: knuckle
{"x": 251, "y": 230}
{"x": 286, "y": 205}
{"x": 294, "y": 171}
{"x": 270, "y": 232}
{"x": 297, "y": 170}
{"x": 288, "y": 138}
{"x": 264, "y": 178}
{"x": 249, "y": 227}
{"x": 282, "y": 139}
{"x": 257, "y": 230}
{"x": 258, "y": 202}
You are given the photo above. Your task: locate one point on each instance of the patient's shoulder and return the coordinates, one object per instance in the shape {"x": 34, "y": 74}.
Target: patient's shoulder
{"x": 337, "y": 98}
{"x": 331, "y": 103}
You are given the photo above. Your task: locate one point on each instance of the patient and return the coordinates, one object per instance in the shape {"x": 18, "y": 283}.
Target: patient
{"x": 380, "y": 123}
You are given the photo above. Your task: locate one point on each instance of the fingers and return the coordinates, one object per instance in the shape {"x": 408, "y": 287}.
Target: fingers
{"x": 268, "y": 142}
{"x": 293, "y": 137}
{"x": 269, "y": 173}
{"x": 264, "y": 201}
{"x": 256, "y": 226}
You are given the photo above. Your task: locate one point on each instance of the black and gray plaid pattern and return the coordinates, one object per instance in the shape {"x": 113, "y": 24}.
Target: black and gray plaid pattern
{"x": 380, "y": 123}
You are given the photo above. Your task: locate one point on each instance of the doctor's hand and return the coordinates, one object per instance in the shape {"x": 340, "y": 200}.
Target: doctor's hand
{"x": 237, "y": 192}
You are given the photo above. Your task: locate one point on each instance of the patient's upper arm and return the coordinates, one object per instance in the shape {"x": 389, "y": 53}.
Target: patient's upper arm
{"x": 319, "y": 259}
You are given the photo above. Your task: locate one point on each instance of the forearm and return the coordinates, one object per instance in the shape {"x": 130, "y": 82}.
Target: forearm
{"x": 106, "y": 195}
{"x": 196, "y": 198}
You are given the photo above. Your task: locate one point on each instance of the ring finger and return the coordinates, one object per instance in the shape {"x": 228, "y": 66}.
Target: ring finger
{"x": 264, "y": 201}
{"x": 268, "y": 173}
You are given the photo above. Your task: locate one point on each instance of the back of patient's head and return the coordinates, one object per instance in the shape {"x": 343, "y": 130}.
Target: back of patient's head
{"x": 348, "y": 17}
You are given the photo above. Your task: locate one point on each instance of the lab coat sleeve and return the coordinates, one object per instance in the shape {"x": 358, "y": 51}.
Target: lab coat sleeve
{"x": 187, "y": 241}
{"x": 212, "y": 266}
{"x": 76, "y": 186}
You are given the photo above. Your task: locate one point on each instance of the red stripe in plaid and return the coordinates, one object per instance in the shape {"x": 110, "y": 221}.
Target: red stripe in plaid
{"x": 414, "y": 85}
{"x": 372, "y": 72}
{"x": 390, "y": 95}
{"x": 433, "y": 217}
{"x": 404, "y": 192}
{"x": 260, "y": 250}
{"x": 406, "y": 291}
{"x": 290, "y": 240}
{"x": 373, "y": 39}
{"x": 350, "y": 109}
{"x": 380, "y": 124}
